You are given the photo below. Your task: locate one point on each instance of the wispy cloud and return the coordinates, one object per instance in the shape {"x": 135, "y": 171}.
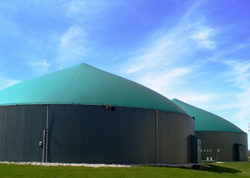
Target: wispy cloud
{"x": 178, "y": 44}
{"x": 198, "y": 99}
{"x": 84, "y": 10}
{"x": 82, "y": 7}
{"x": 239, "y": 75}
{"x": 40, "y": 67}
{"x": 165, "y": 63}
{"x": 203, "y": 38}
{"x": 5, "y": 82}
{"x": 72, "y": 46}
{"x": 160, "y": 81}
{"x": 171, "y": 83}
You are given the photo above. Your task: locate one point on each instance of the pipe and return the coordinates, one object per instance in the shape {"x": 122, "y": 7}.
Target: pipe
{"x": 43, "y": 154}
{"x": 156, "y": 138}
{"x": 47, "y": 135}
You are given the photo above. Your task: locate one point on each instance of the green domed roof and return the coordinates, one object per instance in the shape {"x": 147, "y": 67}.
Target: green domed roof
{"x": 206, "y": 121}
{"x": 84, "y": 84}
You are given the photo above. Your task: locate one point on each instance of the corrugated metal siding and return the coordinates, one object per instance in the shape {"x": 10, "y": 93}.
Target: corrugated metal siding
{"x": 20, "y": 132}
{"x": 174, "y": 141}
{"x": 221, "y": 140}
{"x": 92, "y": 134}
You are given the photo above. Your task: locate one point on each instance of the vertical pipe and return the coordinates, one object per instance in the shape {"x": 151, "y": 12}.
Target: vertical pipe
{"x": 43, "y": 154}
{"x": 215, "y": 146}
{"x": 47, "y": 134}
{"x": 156, "y": 138}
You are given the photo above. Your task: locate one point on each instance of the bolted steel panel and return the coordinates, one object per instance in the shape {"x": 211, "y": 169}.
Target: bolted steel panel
{"x": 94, "y": 134}
{"x": 221, "y": 145}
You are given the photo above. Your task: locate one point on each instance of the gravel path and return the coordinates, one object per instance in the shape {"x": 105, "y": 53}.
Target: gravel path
{"x": 97, "y": 165}
{"x": 65, "y": 164}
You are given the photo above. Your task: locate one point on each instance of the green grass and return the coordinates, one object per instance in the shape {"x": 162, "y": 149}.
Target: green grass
{"x": 222, "y": 170}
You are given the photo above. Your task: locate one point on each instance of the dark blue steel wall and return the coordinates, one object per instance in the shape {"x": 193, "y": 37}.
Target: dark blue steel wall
{"x": 224, "y": 141}
{"x": 20, "y": 132}
{"x": 174, "y": 138}
{"x": 94, "y": 134}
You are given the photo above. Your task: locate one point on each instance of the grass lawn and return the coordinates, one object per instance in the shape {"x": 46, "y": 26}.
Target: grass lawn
{"x": 219, "y": 170}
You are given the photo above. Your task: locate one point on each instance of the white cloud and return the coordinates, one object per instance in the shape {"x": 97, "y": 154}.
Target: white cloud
{"x": 173, "y": 46}
{"x": 79, "y": 6}
{"x": 196, "y": 98}
{"x": 244, "y": 104}
{"x": 165, "y": 61}
{"x": 5, "y": 82}
{"x": 86, "y": 9}
{"x": 203, "y": 38}
{"x": 162, "y": 51}
{"x": 152, "y": 57}
{"x": 40, "y": 67}
{"x": 239, "y": 75}
{"x": 160, "y": 81}
{"x": 72, "y": 46}
{"x": 175, "y": 83}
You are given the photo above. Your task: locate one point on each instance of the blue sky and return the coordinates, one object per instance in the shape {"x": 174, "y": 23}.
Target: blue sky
{"x": 196, "y": 51}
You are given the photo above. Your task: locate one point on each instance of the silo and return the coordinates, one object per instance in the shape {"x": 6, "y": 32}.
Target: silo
{"x": 84, "y": 115}
{"x": 220, "y": 139}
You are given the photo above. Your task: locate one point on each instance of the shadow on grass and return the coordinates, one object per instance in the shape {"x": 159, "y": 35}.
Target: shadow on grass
{"x": 204, "y": 167}
{"x": 219, "y": 169}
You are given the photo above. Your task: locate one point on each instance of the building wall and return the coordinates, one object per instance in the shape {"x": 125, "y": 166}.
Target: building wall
{"x": 20, "y": 132}
{"x": 94, "y": 134}
{"x": 221, "y": 145}
{"x": 174, "y": 138}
